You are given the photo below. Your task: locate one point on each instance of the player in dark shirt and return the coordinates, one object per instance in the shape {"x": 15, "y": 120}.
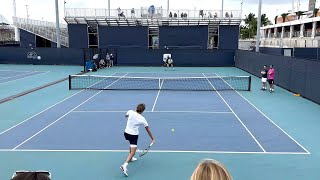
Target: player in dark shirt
{"x": 264, "y": 78}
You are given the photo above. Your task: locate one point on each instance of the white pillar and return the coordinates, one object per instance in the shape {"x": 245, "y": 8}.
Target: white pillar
{"x": 282, "y": 32}
{"x": 314, "y": 25}
{"x": 258, "y": 27}
{"x": 57, "y": 25}
{"x": 301, "y": 30}
{"x": 291, "y": 31}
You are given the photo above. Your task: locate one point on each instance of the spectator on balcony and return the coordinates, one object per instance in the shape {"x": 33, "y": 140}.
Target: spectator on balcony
{"x": 181, "y": 15}
{"x": 132, "y": 13}
{"x": 151, "y": 11}
{"x": 231, "y": 15}
{"x": 210, "y": 15}
{"x": 170, "y": 15}
{"x": 185, "y": 15}
{"x": 201, "y": 13}
{"x": 215, "y": 15}
{"x": 175, "y": 15}
{"x": 227, "y": 15}
{"x": 121, "y": 14}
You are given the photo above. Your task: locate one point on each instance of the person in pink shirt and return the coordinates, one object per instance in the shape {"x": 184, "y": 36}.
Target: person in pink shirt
{"x": 271, "y": 78}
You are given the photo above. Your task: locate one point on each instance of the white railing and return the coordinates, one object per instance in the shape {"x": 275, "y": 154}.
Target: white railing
{"x": 44, "y": 29}
{"x": 144, "y": 13}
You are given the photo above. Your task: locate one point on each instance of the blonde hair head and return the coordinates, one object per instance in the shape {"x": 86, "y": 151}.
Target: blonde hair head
{"x": 209, "y": 169}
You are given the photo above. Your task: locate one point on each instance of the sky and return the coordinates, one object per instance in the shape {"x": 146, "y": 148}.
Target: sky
{"x": 45, "y": 9}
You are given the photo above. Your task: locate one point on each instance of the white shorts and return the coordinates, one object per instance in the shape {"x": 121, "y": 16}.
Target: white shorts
{"x": 264, "y": 80}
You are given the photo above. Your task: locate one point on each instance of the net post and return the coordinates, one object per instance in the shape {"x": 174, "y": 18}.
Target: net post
{"x": 69, "y": 82}
{"x": 249, "y": 85}
{"x": 159, "y": 83}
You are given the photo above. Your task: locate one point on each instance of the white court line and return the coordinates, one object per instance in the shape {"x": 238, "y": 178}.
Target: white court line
{"x": 265, "y": 116}
{"x": 64, "y": 115}
{"x": 15, "y": 70}
{"x": 25, "y": 77}
{"x": 39, "y": 113}
{"x": 205, "y": 112}
{"x": 236, "y": 116}
{"x": 164, "y": 73}
{"x": 156, "y": 151}
{"x": 155, "y": 101}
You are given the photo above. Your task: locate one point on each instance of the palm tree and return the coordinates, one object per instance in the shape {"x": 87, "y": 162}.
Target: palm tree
{"x": 299, "y": 14}
{"x": 250, "y": 18}
{"x": 264, "y": 20}
{"x": 315, "y": 12}
{"x": 284, "y": 15}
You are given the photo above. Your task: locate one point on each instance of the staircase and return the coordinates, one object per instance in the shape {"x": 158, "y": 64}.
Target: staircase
{"x": 212, "y": 32}
{"x": 153, "y": 35}
{"x": 44, "y": 29}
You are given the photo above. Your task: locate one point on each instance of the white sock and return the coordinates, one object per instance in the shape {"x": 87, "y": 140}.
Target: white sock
{"x": 125, "y": 165}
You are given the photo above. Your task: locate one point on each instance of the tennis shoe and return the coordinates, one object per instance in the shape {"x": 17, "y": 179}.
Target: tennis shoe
{"x": 124, "y": 170}
{"x": 133, "y": 159}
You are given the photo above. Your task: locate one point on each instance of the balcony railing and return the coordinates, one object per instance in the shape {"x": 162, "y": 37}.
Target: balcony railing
{"x": 158, "y": 13}
{"x": 307, "y": 33}
{"x": 286, "y": 34}
{"x": 296, "y": 34}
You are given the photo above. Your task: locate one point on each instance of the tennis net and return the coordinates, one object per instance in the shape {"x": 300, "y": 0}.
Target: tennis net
{"x": 212, "y": 83}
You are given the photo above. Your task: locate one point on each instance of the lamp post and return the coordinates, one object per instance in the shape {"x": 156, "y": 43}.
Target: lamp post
{"x": 222, "y": 1}
{"x": 57, "y": 25}
{"x": 258, "y": 27}
{"x": 109, "y": 7}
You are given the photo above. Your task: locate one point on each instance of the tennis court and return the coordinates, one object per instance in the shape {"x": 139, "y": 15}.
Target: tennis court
{"x": 79, "y": 133}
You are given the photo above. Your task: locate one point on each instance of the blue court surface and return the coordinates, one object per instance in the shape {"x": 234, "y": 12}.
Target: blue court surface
{"x": 85, "y": 127}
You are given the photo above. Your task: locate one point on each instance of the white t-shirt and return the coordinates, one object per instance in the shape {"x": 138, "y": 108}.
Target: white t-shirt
{"x": 135, "y": 120}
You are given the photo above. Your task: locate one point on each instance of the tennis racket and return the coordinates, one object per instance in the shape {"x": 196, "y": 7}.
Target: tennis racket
{"x": 145, "y": 150}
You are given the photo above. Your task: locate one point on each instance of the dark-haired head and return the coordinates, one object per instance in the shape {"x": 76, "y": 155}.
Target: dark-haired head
{"x": 31, "y": 176}
{"x": 141, "y": 108}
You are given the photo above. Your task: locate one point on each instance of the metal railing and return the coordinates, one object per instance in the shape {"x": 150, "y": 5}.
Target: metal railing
{"x": 145, "y": 13}
{"x": 286, "y": 34}
{"x": 296, "y": 34}
{"x": 307, "y": 33}
{"x": 44, "y": 29}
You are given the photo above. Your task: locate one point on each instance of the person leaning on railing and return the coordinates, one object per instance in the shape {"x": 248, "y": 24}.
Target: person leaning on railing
{"x": 132, "y": 13}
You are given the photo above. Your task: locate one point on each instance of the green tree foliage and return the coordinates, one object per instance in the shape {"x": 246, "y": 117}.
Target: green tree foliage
{"x": 249, "y": 30}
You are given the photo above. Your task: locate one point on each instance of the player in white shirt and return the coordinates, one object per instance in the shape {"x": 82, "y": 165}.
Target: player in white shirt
{"x": 131, "y": 133}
